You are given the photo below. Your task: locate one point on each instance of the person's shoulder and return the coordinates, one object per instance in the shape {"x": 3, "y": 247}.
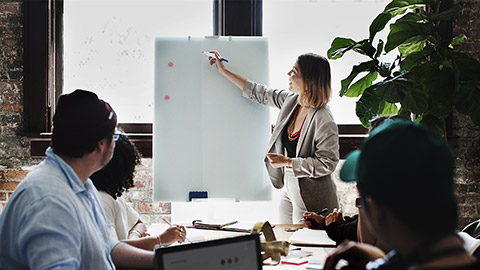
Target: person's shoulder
{"x": 105, "y": 196}
{"x": 43, "y": 181}
{"x": 325, "y": 114}
{"x": 108, "y": 200}
{"x": 323, "y": 119}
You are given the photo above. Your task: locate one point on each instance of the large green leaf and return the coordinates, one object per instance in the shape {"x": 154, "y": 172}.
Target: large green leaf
{"x": 408, "y": 48}
{"x": 379, "y": 23}
{"x": 368, "y": 106}
{"x": 412, "y": 59}
{"x": 415, "y": 101}
{"x": 389, "y": 109}
{"x": 411, "y": 17}
{"x": 434, "y": 124}
{"x": 404, "y": 31}
{"x": 339, "y": 46}
{"x": 467, "y": 100}
{"x": 364, "y": 47}
{"x": 397, "y": 11}
{"x": 359, "y": 86}
{"x": 395, "y": 4}
{"x": 446, "y": 15}
{"x": 458, "y": 40}
{"x": 424, "y": 76}
{"x": 362, "y": 67}
{"x": 442, "y": 92}
{"x": 394, "y": 90}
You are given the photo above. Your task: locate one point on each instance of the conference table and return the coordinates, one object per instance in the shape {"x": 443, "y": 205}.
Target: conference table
{"x": 318, "y": 254}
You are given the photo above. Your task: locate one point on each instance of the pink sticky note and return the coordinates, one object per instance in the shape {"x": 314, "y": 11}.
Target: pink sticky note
{"x": 170, "y": 64}
{"x": 167, "y": 97}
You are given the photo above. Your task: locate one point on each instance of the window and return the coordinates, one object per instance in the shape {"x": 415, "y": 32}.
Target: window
{"x": 294, "y": 27}
{"x": 126, "y": 73}
{"x": 109, "y": 47}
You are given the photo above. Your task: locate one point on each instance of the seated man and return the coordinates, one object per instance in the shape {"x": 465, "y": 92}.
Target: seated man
{"x": 404, "y": 177}
{"x": 55, "y": 219}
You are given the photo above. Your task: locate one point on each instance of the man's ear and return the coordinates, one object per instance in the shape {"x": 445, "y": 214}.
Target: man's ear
{"x": 377, "y": 213}
{"x": 101, "y": 145}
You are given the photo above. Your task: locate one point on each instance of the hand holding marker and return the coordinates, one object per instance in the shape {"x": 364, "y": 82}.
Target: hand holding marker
{"x": 209, "y": 54}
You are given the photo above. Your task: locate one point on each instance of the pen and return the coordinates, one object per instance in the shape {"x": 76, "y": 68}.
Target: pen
{"x": 324, "y": 210}
{"x": 209, "y": 54}
{"x": 170, "y": 224}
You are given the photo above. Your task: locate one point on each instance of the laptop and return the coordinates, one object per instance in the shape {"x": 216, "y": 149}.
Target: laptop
{"x": 236, "y": 253}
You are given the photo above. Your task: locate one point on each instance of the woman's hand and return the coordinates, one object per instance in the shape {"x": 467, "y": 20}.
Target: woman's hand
{"x": 236, "y": 79}
{"x": 278, "y": 161}
{"x": 335, "y": 216}
{"x": 173, "y": 234}
{"x": 217, "y": 62}
{"x": 356, "y": 254}
{"x": 314, "y": 220}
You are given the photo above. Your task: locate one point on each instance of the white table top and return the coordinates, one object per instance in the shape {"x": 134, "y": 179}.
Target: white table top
{"x": 318, "y": 254}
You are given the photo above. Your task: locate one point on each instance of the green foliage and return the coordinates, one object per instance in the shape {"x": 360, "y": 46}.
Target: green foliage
{"x": 365, "y": 66}
{"x": 427, "y": 79}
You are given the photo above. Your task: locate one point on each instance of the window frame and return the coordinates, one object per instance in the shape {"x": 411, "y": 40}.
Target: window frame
{"x": 43, "y": 70}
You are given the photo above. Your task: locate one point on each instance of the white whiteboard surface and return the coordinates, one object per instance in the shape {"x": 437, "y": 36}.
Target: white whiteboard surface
{"x": 207, "y": 136}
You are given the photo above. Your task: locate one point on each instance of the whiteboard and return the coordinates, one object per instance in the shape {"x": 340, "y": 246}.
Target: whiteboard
{"x": 207, "y": 136}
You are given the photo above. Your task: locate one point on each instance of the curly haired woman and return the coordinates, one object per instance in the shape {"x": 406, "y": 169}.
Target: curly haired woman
{"x": 115, "y": 179}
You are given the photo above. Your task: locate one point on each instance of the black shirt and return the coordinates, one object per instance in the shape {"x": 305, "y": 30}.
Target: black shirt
{"x": 395, "y": 262}
{"x": 291, "y": 146}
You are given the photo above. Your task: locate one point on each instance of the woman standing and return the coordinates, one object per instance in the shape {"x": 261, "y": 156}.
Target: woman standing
{"x": 303, "y": 151}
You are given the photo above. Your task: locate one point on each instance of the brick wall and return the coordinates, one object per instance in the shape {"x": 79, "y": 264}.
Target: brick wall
{"x": 10, "y": 177}
{"x": 14, "y": 149}
{"x": 141, "y": 196}
{"x": 15, "y": 160}
{"x": 466, "y": 136}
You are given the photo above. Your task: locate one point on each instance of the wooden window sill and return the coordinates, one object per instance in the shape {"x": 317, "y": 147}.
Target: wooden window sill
{"x": 350, "y": 139}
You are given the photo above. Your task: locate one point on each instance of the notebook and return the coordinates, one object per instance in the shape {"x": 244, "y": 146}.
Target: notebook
{"x": 212, "y": 224}
{"x": 242, "y": 252}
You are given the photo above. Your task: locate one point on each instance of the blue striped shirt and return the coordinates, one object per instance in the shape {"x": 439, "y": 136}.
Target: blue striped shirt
{"x": 54, "y": 221}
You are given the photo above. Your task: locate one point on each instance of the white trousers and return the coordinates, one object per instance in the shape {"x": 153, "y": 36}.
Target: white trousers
{"x": 292, "y": 206}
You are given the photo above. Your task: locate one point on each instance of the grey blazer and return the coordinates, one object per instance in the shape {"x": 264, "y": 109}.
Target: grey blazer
{"x": 317, "y": 148}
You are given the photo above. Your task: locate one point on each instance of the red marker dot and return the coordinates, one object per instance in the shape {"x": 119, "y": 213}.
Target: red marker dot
{"x": 167, "y": 97}
{"x": 170, "y": 64}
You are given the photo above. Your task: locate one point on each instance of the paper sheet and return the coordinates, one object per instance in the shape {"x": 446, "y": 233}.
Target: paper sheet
{"x": 311, "y": 237}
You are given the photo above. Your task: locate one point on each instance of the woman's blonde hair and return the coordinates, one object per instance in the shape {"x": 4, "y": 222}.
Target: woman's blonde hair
{"x": 315, "y": 71}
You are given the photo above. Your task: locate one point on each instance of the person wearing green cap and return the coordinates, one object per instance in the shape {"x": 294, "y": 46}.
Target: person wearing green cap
{"x": 404, "y": 177}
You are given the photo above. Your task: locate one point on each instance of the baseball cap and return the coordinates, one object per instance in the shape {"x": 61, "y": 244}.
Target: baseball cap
{"x": 402, "y": 161}
{"x": 81, "y": 120}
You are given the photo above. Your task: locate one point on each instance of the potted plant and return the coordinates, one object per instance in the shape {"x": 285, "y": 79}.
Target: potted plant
{"x": 427, "y": 80}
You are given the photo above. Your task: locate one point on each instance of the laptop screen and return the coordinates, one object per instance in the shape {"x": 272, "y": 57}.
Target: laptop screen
{"x": 235, "y": 253}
